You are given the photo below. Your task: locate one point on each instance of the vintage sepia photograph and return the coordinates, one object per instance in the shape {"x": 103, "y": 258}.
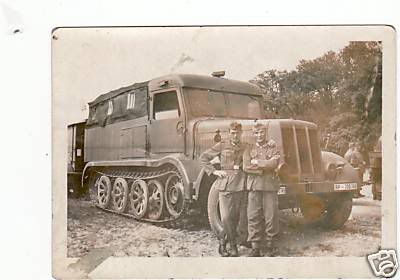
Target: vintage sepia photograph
{"x": 213, "y": 147}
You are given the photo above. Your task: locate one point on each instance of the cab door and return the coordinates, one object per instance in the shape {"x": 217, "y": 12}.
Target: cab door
{"x": 167, "y": 122}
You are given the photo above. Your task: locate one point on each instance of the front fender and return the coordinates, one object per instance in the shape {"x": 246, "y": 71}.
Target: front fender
{"x": 348, "y": 173}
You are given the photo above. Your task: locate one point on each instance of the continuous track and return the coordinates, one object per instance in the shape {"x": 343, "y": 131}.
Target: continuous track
{"x": 141, "y": 195}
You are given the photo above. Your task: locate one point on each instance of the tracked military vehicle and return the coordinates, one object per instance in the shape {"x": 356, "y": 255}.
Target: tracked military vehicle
{"x": 143, "y": 143}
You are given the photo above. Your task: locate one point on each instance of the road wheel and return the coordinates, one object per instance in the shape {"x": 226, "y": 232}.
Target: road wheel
{"x": 103, "y": 187}
{"x": 214, "y": 216}
{"x": 119, "y": 195}
{"x": 174, "y": 197}
{"x": 156, "y": 200}
{"x": 138, "y": 199}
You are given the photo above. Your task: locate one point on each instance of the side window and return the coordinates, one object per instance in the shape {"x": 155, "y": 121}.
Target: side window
{"x": 94, "y": 114}
{"x": 131, "y": 100}
{"x": 110, "y": 108}
{"x": 166, "y": 106}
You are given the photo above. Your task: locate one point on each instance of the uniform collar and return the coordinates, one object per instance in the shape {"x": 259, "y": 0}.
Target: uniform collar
{"x": 263, "y": 145}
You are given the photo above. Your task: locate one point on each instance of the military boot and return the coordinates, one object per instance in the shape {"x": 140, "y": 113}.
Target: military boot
{"x": 222, "y": 249}
{"x": 233, "y": 250}
{"x": 255, "y": 250}
{"x": 246, "y": 244}
{"x": 270, "y": 245}
{"x": 269, "y": 248}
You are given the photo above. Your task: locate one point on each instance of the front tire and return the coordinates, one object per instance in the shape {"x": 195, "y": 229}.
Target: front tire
{"x": 214, "y": 217}
{"x": 338, "y": 210}
{"x": 330, "y": 211}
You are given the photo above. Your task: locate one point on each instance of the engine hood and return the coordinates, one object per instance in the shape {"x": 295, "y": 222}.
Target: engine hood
{"x": 204, "y": 131}
{"x": 210, "y": 125}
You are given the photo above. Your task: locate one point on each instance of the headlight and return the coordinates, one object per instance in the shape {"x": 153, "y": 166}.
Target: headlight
{"x": 333, "y": 170}
{"x": 282, "y": 170}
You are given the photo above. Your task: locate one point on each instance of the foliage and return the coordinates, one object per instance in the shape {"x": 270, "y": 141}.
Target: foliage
{"x": 339, "y": 91}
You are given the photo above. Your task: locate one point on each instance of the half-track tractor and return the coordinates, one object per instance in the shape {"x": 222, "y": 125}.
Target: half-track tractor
{"x": 142, "y": 145}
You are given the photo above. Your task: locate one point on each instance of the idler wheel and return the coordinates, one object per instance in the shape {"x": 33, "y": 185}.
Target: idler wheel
{"x": 138, "y": 198}
{"x": 156, "y": 200}
{"x": 119, "y": 195}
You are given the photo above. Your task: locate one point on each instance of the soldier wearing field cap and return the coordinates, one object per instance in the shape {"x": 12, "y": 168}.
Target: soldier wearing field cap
{"x": 260, "y": 162}
{"x": 230, "y": 182}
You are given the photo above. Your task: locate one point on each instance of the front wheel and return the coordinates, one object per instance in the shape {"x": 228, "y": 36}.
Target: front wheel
{"x": 330, "y": 211}
{"x": 214, "y": 217}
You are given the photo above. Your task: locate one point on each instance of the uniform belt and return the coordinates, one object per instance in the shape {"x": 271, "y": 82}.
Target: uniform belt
{"x": 262, "y": 173}
{"x": 232, "y": 171}
{"x": 235, "y": 167}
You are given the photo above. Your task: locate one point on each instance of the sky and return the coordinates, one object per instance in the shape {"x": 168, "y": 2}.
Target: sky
{"x": 87, "y": 62}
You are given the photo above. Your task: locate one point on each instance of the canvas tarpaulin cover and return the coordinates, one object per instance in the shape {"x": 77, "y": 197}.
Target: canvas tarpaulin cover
{"x": 99, "y": 108}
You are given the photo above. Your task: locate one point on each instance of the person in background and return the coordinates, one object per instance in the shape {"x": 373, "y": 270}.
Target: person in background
{"x": 260, "y": 162}
{"x": 230, "y": 183}
{"x": 357, "y": 161}
{"x": 347, "y": 155}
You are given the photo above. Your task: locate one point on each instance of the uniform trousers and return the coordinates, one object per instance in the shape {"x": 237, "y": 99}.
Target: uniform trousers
{"x": 262, "y": 213}
{"x": 231, "y": 205}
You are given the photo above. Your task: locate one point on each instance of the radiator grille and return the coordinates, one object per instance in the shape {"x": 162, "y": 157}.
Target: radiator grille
{"x": 315, "y": 150}
{"x": 302, "y": 151}
{"x": 289, "y": 149}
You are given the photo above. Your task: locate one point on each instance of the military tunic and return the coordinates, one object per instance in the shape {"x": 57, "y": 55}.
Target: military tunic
{"x": 262, "y": 184}
{"x": 357, "y": 161}
{"x": 347, "y": 155}
{"x": 232, "y": 200}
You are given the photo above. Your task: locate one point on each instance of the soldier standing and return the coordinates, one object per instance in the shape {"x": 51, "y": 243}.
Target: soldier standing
{"x": 260, "y": 162}
{"x": 230, "y": 182}
{"x": 357, "y": 161}
{"x": 349, "y": 152}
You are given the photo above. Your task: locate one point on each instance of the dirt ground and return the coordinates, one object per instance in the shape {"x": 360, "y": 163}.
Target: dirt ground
{"x": 90, "y": 228}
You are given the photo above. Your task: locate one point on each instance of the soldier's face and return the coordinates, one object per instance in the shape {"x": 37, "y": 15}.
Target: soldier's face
{"x": 234, "y": 136}
{"x": 261, "y": 135}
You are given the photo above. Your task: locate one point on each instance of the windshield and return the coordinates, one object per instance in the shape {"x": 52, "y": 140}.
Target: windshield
{"x": 210, "y": 103}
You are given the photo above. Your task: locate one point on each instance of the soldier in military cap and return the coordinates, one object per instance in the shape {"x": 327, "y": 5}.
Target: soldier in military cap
{"x": 260, "y": 162}
{"x": 230, "y": 182}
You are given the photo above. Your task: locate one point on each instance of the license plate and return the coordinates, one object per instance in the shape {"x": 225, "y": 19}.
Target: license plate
{"x": 282, "y": 190}
{"x": 345, "y": 187}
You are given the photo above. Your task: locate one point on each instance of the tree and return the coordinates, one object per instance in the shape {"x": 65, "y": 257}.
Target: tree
{"x": 341, "y": 92}
{"x": 363, "y": 82}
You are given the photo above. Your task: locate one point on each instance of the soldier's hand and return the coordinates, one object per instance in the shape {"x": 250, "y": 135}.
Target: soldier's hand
{"x": 220, "y": 173}
{"x": 254, "y": 161}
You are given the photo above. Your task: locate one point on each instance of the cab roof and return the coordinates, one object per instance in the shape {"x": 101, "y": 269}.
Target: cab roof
{"x": 206, "y": 82}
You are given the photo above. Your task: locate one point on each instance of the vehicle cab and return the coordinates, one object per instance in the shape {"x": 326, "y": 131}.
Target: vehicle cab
{"x": 179, "y": 102}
